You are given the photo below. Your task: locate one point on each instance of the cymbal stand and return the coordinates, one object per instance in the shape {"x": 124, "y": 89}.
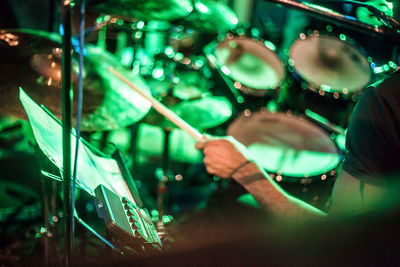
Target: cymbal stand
{"x": 66, "y": 103}
{"x": 48, "y": 232}
{"x": 162, "y": 189}
{"x": 134, "y": 132}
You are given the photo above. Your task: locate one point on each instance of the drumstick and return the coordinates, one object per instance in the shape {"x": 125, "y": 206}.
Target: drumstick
{"x": 163, "y": 110}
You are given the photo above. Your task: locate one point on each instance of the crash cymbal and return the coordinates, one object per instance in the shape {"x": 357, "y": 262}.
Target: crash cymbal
{"x": 144, "y": 9}
{"x": 331, "y": 64}
{"x": 210, "y": 17}
{"x": 31, "y": 59}
{"x": 120, "y": 106}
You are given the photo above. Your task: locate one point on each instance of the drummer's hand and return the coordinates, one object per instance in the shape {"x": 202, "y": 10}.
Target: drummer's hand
{"x": 222, "y": 155}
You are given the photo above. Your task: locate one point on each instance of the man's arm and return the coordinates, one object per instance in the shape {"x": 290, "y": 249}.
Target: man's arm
{"x": 226, "y": 158}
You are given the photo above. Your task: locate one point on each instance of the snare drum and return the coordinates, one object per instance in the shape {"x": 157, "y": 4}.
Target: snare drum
{"x": 327, "y": 75}
{"x": 289, "y": 147}
{"x": 254, "y": 68}
{"x": 296, "y": 153}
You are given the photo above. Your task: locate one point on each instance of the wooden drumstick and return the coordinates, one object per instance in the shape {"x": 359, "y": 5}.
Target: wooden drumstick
{"x": 163, "y": 110}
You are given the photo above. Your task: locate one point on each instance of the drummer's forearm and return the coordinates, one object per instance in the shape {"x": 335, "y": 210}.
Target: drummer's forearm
{"x": 270, "y": 196}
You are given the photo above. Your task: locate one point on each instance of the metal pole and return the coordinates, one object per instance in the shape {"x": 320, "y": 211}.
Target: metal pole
{"x": 66, "y": 103}
{"x": 337, "y": 18}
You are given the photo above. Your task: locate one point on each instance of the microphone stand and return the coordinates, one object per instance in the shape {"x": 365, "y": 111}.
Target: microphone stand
{"x": 340, "y": 19}
{"x": 376, "y": 12}
{"x": 66, "y": 105}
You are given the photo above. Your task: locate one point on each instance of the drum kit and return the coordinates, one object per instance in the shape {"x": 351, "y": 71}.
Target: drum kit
{"x": 176, "y": 51}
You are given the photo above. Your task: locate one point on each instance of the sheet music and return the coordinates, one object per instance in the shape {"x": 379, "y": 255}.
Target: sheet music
{"x": 92, "y": 170}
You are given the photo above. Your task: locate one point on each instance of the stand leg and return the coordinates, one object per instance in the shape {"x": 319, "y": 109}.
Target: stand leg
{"x": 67, "y": 125}
{"x": 134, "y": 130}
{"x": 162, "y": 187}
{"x": 45, "y": 211}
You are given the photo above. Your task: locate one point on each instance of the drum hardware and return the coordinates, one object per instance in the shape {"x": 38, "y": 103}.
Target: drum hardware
{"x": 290, "y": 148}
{"x": 329, "y": 126}
{"x": 255, "y": 68}
{"x": 203, "y": 113}
{"x": 105, "y": 101}
{"x": 146, "y": 40}
{"x": 326, "y": 76}
{"x": 184, "y": 40}
{"x": 314, "y": 57}
{"x": 343, "y": 20}
{"x": 10, "y": 134}
{"x": 144, "y": 10}
{"x": 210, "y": 17}
{"x": 185, "y": 90}
{"x": 242, "y": 96}
{"x": 192, "y": 79}
{"x": 163, "y": 177}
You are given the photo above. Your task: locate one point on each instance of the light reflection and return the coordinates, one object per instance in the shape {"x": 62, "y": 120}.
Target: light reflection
{"x": 237, "y": 85}
{"x": 247, "y": 113}
{"x": 335, "y": 95}
{"x": 201, "y": 7}
{"x": 10, "y": 38}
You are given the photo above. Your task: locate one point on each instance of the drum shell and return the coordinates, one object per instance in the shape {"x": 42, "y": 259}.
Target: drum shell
{"x": 314, "y": 182}
{"x": 295, "y": 94}
{"x": 325, "y": 74}
{"x": 259, "y": 50}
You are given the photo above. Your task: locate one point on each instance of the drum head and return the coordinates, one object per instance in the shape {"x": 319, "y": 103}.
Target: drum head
{"x": 250, "y": 62}
{"x": 286, "y": 145}
{"x": 330, "y": 64}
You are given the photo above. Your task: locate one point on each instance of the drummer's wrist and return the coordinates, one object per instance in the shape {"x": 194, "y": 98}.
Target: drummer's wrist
{"x": 244, "y": 173}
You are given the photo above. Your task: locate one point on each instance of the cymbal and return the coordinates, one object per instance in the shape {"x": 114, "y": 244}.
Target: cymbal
{"x": 331, "y": 64}
{"x": 210, "y": 16}
{"x": 31, "y": 59}
{"x": 120, "y": 106}
{"x": 144, "y": 9}
{"x": 204, "y": 113}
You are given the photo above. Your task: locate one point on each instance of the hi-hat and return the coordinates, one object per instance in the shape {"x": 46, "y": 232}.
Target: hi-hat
{"x": 31, "y": 60}
{"x": 144, "y": 10}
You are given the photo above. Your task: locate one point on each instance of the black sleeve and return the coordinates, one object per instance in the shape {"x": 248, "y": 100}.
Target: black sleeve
{"x": 373, "y": 136}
